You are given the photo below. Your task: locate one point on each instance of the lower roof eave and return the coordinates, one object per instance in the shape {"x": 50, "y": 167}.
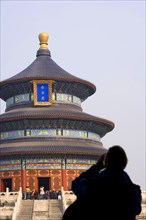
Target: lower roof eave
{"x": 62, "y": 153}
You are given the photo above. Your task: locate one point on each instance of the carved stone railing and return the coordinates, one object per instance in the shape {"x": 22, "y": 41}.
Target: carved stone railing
{"x": 7, "y": 203}
{"x": 17, "y": 204}
{"x": 8, "y": 197}
{"x": 68, "y": 197}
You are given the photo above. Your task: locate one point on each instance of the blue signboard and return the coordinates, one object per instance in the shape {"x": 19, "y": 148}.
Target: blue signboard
{"x": 42, "y": 92}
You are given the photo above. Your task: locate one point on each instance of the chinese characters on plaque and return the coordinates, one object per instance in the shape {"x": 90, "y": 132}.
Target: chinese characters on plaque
{"x": 42, "y": 92}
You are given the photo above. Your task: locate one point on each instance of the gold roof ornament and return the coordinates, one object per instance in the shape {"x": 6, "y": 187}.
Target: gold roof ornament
{"x": 43, "y": 38}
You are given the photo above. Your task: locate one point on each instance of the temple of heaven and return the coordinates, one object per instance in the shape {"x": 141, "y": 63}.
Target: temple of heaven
{"x": 46, "y": 137}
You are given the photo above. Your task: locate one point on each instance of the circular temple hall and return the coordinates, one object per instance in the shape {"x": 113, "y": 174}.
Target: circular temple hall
{"x": 46, "y": 139}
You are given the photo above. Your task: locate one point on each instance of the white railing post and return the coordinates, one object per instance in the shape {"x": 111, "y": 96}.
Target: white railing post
{"x": 7, "y": 193}
{"x": 63, "y": 199}
{"x": 17, "y": 204}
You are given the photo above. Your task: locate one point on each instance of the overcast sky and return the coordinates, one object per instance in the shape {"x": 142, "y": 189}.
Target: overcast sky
{"x": 100, "y": 41}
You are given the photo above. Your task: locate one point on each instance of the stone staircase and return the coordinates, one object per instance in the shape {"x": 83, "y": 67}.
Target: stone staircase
{"x": 55, "y": 209}
{"x": 26, "y": 210}
{"x": 40, "y": 210}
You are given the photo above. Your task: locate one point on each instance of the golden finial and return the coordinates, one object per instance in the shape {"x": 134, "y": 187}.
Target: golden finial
{"x": 43, "y": 38}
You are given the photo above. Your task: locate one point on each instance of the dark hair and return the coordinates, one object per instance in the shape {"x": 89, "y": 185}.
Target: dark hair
{"x": 116, "y": 158}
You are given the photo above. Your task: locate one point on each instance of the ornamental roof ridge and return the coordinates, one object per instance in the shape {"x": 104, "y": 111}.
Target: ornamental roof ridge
{"x": 43, "y": 67}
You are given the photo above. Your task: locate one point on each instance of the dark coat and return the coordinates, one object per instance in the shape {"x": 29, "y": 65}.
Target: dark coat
{"x": 103, "y": 196}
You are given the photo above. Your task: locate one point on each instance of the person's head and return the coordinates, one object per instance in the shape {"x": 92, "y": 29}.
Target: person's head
{"x": 116, "y": 158}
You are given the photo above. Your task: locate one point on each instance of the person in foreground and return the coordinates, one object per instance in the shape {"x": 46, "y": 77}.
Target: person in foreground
{"x": 105, "y": 191}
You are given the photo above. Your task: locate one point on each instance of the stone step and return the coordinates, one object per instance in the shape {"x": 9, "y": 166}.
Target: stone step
{"x": 25, "y": 213}
{"x": 27, "y": 201}
{"x": 41, "y": 218}
{"x": 55, "y": 210}
{"x": 57, "y": 214}
{"x": 40, "y": 210}
{"x": 54, "y": 218}
{"x": 29, "y": 209}
{"x": 25, "y": 217}
{"x": 26, "y": 210}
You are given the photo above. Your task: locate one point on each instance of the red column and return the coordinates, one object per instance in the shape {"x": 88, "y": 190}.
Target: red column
{"x": 23, "y": 180}
{"x": 64, "y": 182}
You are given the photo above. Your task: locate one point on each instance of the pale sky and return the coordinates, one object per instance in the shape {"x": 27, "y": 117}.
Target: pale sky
{"x": 99, "y": 41}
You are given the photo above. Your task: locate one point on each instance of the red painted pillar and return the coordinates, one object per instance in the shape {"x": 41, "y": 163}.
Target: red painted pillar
{"x": 64, "y": 180}
{"x": 23, "y": 180}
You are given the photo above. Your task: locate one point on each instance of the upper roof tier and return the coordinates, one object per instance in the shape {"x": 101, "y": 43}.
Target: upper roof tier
{"x": 44, "y": 67}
